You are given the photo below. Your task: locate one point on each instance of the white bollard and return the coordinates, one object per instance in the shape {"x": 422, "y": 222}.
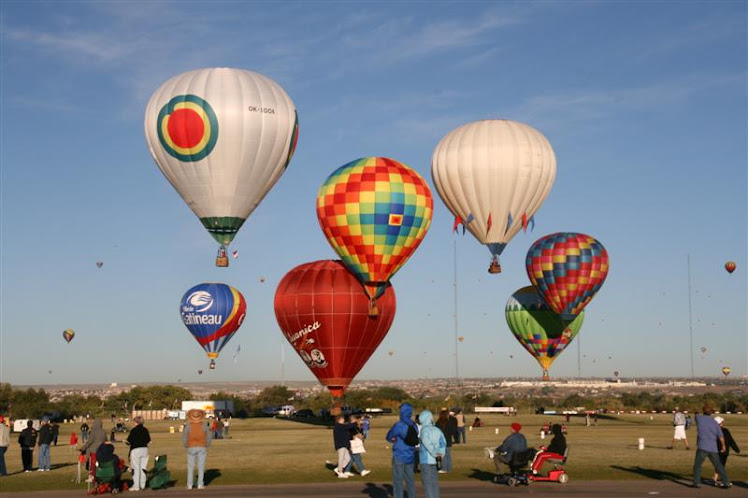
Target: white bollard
{"x": 641, "y": 443}
{"x": 542, "y": 434}
{"x": 470, "y": 429}
{"x": 497, "y": 430}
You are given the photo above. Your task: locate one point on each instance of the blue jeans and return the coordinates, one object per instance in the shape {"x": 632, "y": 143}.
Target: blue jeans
{"x": 714, "y": 458}
{"x": 3, "y": 468}
{"x": 44, "y": 459}
{"x": 357, "y": 460}
{"x": 430, "y": 480}
{"x": 199, "y": 454}
{"x": 402, "y": 472}
{"x": 461, "y": 435}
{"x": 447, "y": 460}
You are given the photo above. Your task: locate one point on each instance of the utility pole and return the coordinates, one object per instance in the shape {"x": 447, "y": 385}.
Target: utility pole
{"x": 690, "y": 314}
{"x": 457, "y": 357}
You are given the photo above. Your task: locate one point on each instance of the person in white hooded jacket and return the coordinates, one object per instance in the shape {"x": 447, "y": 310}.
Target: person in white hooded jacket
{"x": 432, "y": 450}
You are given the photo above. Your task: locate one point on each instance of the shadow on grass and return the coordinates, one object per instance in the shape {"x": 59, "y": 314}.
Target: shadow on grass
{"x": 62, "y": 465}
{"x": 210, "y": 475}
{"x": 481, "y": 475}
{"x": 321, "y": 422}
{"x": 375, "y": 491}
{"x": 656, "y": 474}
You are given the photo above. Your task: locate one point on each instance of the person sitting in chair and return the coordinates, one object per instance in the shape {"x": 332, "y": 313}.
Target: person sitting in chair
{"x": 555, "y": 450}
{"x": 504, "y": 453}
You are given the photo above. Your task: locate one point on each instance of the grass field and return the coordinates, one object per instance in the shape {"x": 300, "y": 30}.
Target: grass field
{"x": 277, "y": 451}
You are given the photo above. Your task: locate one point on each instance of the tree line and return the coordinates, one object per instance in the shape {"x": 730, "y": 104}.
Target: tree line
{"x": 36, "y": 403}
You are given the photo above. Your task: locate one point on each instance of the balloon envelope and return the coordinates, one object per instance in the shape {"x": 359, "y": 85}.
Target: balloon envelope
{"x": 537, "y": 328}
{"x": 493, "y": 175}
{"x": 726, "y": 371}
{"x": 375, "y": 212}
{"x": 212, "y": 313}
{"x": 99, "y": 264}
{"x": 222, "y": 137}
{"x": 68, "y": 335}
{"x": 324, "y": 314}
{"x": 730, "y": 266}
{"x": 567, "y": 269}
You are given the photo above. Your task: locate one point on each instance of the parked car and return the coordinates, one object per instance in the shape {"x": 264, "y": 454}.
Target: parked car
{"x": 304, "y": 413}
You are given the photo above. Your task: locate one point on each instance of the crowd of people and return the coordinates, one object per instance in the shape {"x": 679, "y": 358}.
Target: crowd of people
{"x": 421, "y": 444}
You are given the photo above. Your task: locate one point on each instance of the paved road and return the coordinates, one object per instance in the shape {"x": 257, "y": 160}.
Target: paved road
{"x": 468, "y": 489}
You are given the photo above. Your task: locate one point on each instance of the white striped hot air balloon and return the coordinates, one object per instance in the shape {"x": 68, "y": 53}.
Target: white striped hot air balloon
{"x": 493, "y": 175}
{"x": 222, "y": 137}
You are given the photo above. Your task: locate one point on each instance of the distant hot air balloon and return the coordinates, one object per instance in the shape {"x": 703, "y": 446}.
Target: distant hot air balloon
{"x": 493, "y": 175}
{"x": 615, "y": 374}
{"x": 540, "y": 331}
{"x": 375, "y": 212}
{"x": 730, "y": 267}
{"x": 222, "y": 137}
{"x": 324, "y": 314}
{"x": 726, "y": 371}
{"x": 68, "y": 335}
{"x": 235, "y": 254}
{"x": 213, "y": 313}
{"x": 567, "y": 269}
{"x": 199, "y": 372}
{"x": 262, "y": 280}
{"x": 461, "y": 338}
{"x": 392, "y": 352}
{"x": 99, "y": 264}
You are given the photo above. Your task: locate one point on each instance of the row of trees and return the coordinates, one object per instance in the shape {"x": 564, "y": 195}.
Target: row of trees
{"x": 35, "y": 403}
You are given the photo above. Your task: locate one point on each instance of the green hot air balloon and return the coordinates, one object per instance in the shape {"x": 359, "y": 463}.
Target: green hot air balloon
{"x": 540, "y": 330}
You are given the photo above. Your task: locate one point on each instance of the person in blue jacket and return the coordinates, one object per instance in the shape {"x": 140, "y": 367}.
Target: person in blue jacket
{"x": 433, "y": 448}
{"x": 403, "y": 454}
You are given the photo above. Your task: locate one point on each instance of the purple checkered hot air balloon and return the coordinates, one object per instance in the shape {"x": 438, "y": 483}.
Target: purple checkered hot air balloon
{"x": 567, "y": 269}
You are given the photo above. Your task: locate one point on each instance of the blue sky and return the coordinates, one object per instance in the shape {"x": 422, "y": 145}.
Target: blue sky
{"x": 644, "y": 104}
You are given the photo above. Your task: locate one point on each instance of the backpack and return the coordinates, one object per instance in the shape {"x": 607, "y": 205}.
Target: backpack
{"x": 411, "y": 437}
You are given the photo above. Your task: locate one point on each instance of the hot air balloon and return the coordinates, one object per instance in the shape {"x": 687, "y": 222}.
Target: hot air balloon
{"x": 540, "y": 330}
{"x": 324, "y": 314}
{"x": 615, "y": 374}
{"x": 199, "y": 372}
{"x": 374, "y": 212}
{"x": 567, "y": 269}
{"x": 493, "y": 175}
{"x": 235, "y": 254}
{"x": 213, "y": 313}
{"x": 68, "y": 335}
{"x": 99, "y": 264}
{"x": 726, "y": 371}
{"x": 222, "y": 137}
{"x": 461, "y": 338}
{"x": 730, "y": 267}
{"x": 391, "y": 352}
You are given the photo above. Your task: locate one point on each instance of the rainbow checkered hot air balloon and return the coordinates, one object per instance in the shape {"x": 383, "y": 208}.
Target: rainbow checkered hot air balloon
{"x": 540, "y": 331}
{"x": 374, "y": 211}
{"x": 212, "y": 313}
{"x": 567, "y": 269}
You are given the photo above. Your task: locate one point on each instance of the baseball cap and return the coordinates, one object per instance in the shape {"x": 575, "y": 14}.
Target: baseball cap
{"x": 516, "y": 427}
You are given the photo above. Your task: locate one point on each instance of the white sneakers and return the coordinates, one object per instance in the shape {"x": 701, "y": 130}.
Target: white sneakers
{"x": 441, "y": 471}
{"x": 489, "y": 453}
{"x": 346, "y": 475}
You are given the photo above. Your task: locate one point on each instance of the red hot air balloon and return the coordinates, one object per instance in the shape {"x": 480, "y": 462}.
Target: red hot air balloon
{"x": 324, "y": 314}
{"x": 730, "y": 267}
